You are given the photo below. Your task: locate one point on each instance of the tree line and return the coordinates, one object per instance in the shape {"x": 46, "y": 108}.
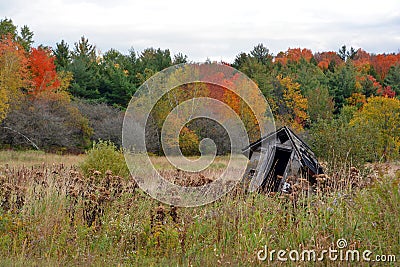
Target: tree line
{"x": 81, "y": 93}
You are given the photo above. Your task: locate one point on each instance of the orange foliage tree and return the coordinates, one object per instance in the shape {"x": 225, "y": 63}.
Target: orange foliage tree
{"x": 294, "y": 55}
{"x": 325, "y": 59}
{"x": 383, "y": 62}
{"x": 362, "y": 61}
{"x": 43, "y": 71}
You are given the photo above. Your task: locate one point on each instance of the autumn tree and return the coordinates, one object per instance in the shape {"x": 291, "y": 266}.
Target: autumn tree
{"x": 328, "y": 60}
{"x": 13, "y": 72}
{"x": 369, "y": 86}
{"x": 244, "y": 111}
{"x": 383, "y": 62}
{"x": 289, "y": 105}
{"x": 362, "y": 61}
{"x": 294, "y": 55}
{"x": 386, "y": 92}
{"x": 165, "y": 105}
{"x": 188, "y": 142}
{"x": 380, "y": 120}
{"x": 43, "y": 71}
{"x": 356, "y": 100}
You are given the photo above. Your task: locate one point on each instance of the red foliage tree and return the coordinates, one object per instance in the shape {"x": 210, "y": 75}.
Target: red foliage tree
{"x": 368, "y": 84}
{"x": 386, "y": 91}
{"x": 43, "y": 71}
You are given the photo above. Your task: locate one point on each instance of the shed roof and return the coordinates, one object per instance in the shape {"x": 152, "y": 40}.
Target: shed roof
{"x": 302, "y": 150}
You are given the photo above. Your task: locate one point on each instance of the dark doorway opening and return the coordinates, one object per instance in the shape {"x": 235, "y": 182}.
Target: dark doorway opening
{"x": 274, "y": 177}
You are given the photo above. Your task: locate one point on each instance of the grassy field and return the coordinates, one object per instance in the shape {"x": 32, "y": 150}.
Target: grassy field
{"x": 36, "y": 158}
{"x": 50, "y": 214}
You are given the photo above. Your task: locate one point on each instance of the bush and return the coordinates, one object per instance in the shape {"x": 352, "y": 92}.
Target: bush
{"x": 47, "y": 120}
{"x": 336, "y": 141}
{"x": 365, "y": 135}
{"x": 103, "y": 156}
{"x": 379, "y": 122}
{"x": 188, "y": 142}
{"x": 106, "y": 121}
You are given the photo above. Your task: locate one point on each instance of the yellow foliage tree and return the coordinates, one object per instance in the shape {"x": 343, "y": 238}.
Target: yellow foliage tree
{"x": 188, "y": 142}
{"x": 380, "y": 117}
{"x": 291, "y": 108}
{"x": 13, "y": 72}
{"x": 357, "y": 100}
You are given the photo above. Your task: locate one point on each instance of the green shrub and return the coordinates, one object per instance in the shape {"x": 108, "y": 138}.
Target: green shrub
{"x": 369, "y": 134}
{"x": 103, "y": 156}
{"x": 338, "y": 141}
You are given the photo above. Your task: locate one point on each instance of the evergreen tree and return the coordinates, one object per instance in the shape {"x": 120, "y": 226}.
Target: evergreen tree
{"x": 392, "y": 79}
{"x": 63, "y": 55}
{"x": 85, "y": 70}
{"x": 342, "y": 83}
{"x": 7, "y": 27}
{"x": 26, "y": 38}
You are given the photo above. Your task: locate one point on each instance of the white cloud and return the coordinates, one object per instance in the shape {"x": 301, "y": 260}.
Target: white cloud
{"x": 215, "y": 29}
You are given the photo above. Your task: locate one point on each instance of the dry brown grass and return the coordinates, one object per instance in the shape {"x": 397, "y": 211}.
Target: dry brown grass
{"x": 50, "y": 214}
{"x": 162, "y": 163}
{"x": 36, "y": 158}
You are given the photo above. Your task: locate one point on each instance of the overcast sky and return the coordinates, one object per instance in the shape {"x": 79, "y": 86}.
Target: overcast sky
{"x": 218, "y": 30}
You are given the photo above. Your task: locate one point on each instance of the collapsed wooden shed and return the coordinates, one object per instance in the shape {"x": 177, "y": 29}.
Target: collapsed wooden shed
{"x": 276, "y": 157}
